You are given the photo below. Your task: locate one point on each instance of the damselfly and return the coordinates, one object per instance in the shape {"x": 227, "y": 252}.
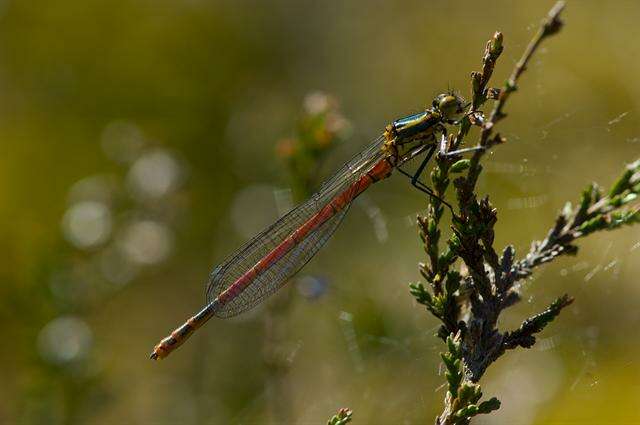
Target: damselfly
{"x": 266, "y": 262}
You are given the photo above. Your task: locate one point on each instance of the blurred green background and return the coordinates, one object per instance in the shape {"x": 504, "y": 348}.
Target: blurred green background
{"x": 138, "y": 150}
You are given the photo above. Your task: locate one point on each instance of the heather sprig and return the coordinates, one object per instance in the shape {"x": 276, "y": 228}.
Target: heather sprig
{"x": 462, "y": 400}
{"x": 468, "y": 303}
{"x": 343, "y": 417}
{"x": 319, "y": 130}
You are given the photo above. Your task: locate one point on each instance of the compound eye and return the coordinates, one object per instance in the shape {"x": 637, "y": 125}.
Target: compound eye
{"x": 450, "y": 106}
{"x": 447, "y": 104}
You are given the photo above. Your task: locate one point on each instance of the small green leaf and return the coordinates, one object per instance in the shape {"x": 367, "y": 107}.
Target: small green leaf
{"x": 495, "y": 47}
{"x": 420, "y": 293}
{"x": 467, "y": 412}
{"x": 585, "y": 200}
{"x": 446, "y": 258}
{"x": 454, "y": 243}
{"x": 622, "y": 184}
{"x": 596, "y": 223}
{"x": 489, "y": 405}
{"x": 469, "y": 393}
{"x": 474, "y": 409}
{"x": 567, "y": 209}
{"x": 453, "y": 347}
{"x": 460, "y": 166}
{"x": 630, "y": 197}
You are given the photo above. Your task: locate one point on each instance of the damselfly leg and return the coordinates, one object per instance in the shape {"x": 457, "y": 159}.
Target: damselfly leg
{"x": 424, "y": 188}
{"x": 415, "y": 178}
{"x": 422, "y": 166}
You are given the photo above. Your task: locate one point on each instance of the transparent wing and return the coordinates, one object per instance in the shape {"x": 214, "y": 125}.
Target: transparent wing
{"x": 271, "y": 279}
{"x": 277, "y": 275}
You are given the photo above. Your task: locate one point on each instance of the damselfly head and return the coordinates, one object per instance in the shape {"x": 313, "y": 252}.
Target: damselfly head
{"x": 451, "y": 106}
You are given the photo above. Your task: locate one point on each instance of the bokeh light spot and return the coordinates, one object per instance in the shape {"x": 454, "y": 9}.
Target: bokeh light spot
{"x": 312, "y": 287}
{"x": 115, "y": 267}
{"x": 154, "y": 175}
{"x": 87, "y": 224}
{"x": 64, "y": 339}
{"x": 146, "y": 242}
